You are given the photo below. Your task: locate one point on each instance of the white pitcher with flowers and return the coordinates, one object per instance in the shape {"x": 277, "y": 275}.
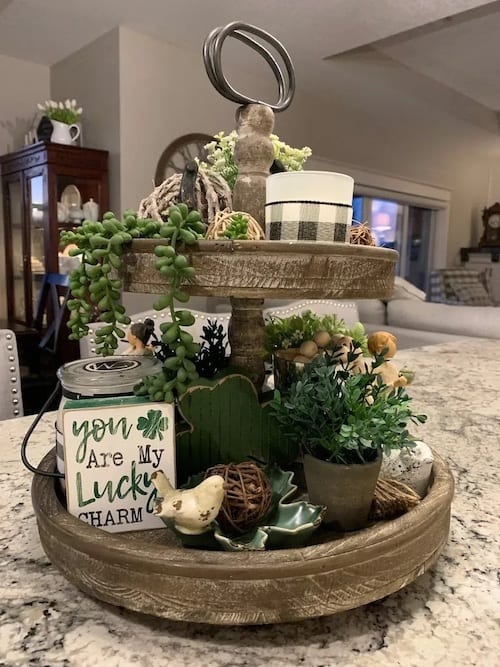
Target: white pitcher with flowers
{"x": 64, "y": 117}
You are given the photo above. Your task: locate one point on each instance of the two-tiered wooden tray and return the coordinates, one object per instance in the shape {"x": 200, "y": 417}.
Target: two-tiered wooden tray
{"x": 149, "y": 571}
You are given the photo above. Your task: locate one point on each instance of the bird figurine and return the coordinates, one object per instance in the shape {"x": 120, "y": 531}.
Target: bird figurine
{"x": 192, "y": 510}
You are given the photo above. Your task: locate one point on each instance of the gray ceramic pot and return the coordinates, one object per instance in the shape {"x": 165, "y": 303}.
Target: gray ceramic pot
{"x": 346, "y": 490}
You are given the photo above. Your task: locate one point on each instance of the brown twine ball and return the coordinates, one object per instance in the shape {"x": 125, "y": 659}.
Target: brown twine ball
{"x": 391, "y": 499}
{"x": 361, "y": 235}
{"x": 247, "y": 498}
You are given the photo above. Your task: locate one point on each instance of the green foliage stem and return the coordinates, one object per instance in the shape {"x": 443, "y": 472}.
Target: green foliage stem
{"x": 96, "y": 289}
{"x": 95, "y": 285}
{"x": 284, "y": 332}
{"x": 178, "y": 369}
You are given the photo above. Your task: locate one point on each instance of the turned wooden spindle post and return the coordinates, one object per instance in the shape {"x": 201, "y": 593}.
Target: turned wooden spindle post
{"x": 254, "y": 155}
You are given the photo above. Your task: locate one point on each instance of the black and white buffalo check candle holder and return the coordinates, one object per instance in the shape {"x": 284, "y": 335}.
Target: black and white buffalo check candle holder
{"x": 292, "y": 214}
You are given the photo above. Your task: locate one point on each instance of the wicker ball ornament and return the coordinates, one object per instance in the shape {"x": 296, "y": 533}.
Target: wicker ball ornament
{"x": 362, "y": 235}
{"x": 212, "y": 195}
{"x": 247, "y": 498}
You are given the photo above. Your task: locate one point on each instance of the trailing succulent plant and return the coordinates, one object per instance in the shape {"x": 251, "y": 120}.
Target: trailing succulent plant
{"x": 96, "y": 289}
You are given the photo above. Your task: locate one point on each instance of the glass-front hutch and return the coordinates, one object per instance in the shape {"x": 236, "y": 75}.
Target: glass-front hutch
{"x": 44, "y": 188}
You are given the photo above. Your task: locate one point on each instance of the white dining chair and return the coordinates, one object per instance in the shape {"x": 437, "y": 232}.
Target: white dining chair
{"x": 345, "y": 310}
{"x": 11, "y": 399}
{"x": 87, "y": 343}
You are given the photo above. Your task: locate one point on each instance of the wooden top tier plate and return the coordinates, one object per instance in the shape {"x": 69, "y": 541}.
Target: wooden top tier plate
{"x": 150, "y": 572}
{"x": 271, "y": 270}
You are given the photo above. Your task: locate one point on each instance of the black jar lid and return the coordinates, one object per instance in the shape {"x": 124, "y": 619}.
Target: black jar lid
{"x": 106, "y": 376}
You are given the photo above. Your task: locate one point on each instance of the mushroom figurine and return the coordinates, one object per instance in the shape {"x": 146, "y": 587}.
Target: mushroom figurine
{"x": 385, "y": 343}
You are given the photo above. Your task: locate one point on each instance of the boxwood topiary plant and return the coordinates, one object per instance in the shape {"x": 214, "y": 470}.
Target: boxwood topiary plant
{"x": 96, "y": 289}
{"x": 342, "y": 417}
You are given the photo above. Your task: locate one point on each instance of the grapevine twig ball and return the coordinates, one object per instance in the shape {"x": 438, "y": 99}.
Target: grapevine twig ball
{"x": 362, "y": 235}
{"x": 211, "y": 191}
{"x": 247, "y": 498}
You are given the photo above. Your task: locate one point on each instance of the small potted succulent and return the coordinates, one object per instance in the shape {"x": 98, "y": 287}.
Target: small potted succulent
{"x": 291, "y": 342}
{"x": 343, "y": 422}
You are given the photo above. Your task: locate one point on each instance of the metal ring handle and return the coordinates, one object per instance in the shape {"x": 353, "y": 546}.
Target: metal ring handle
{"x": 212, "y": 53}
{"x": 212, "y": 58}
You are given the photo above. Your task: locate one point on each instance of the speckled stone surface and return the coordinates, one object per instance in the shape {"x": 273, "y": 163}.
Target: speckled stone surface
{"x": 449, "y": 617}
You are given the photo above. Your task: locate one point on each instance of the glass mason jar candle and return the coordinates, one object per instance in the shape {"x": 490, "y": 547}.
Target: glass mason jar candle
{"x": 100, "y": 382}
{"x": 111, "y": 442}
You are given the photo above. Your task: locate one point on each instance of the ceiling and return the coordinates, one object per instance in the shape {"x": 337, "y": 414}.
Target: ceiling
{"x": 453, "y": 42}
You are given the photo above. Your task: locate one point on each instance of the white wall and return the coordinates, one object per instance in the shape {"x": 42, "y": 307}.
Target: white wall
{"x": 22, "y": 86}
{"x": 165, "y": 93}
{"x": 91, "y": 76}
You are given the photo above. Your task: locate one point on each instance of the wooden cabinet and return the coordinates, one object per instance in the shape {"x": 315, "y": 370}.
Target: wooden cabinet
{"x": 33, "y": 181}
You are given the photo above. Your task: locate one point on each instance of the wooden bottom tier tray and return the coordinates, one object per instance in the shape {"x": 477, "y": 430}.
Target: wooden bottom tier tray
{"x": 150, "y": 572}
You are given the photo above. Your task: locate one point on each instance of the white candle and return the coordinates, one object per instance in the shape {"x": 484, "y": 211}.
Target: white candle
{"x": 309, "y": 206}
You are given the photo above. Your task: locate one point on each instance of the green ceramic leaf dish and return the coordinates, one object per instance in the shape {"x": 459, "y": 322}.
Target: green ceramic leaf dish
{"x": 287, "y": 525}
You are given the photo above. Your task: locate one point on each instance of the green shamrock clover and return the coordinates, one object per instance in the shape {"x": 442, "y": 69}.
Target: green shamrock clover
{"x": 153, "y": 425}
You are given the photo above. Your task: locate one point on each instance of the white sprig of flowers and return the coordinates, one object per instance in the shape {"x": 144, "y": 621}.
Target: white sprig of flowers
{"x": 65, "y": 112}
{"x": 220, "y": 155}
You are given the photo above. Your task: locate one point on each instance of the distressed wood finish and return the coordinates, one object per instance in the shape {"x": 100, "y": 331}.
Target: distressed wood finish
{"x": 254, "y": 154}
{"x": 151, "y": 573}
{"x": 270, "y": 270}
{"x": 250, "y": 271}
{"x": 246, "y": 337}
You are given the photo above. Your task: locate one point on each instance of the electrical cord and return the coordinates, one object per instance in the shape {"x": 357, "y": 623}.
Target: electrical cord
{"x": 29, "y": 432}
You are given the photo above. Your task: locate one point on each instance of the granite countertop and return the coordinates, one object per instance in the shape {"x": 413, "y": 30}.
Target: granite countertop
{"x": 448, "y": 617}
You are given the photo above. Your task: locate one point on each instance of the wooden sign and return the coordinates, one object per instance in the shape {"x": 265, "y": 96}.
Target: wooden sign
{"x": 111, "y": 447}
{"x": 225, "y": 422}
